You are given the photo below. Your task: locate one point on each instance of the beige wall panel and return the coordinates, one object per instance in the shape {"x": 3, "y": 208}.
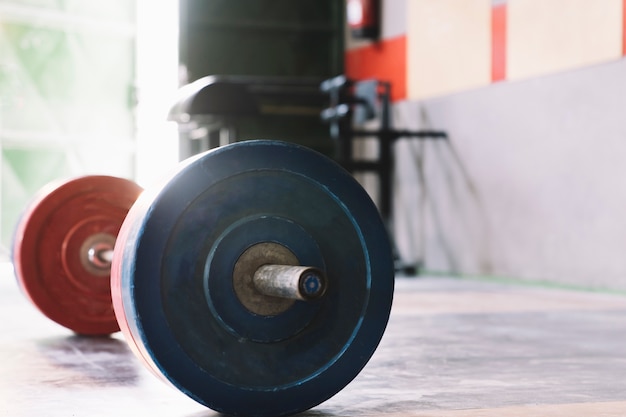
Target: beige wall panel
{"x": 546, "y": 36}
{"x": 448, "y": 46}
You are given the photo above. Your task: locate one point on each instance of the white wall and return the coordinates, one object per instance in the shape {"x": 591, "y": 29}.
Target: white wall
{"x": 531, "y": 184}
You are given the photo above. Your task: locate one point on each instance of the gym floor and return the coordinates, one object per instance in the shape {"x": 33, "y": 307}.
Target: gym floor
{"x": 453, "y": 348}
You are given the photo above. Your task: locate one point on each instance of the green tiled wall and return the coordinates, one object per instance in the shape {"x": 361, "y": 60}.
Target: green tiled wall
{"x": 65, "y": 82}
{"x": 66, "y": 96}
{"x": 110, "y": 10}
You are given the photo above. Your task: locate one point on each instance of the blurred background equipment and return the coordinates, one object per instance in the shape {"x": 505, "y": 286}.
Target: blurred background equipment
{"x": 221, "y": 109}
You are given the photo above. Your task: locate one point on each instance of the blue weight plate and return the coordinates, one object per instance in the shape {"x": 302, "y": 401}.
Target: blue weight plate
{"x": 172, "y": 278}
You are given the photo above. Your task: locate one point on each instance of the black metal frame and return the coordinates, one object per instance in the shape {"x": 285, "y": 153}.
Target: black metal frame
{"x": 351, "y": 105}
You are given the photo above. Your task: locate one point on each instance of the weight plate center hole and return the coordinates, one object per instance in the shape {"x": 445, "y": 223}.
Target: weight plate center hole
{"x": 96, "y": 254}
{"x": 268, "y": 279}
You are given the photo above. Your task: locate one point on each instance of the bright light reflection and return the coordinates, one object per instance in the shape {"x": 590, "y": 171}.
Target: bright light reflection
{"x": 157, "y": 82}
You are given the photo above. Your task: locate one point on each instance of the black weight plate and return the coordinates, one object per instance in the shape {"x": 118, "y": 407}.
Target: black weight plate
{"x": 173, "y": 267}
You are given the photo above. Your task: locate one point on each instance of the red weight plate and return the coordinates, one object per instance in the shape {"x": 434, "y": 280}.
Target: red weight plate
{"x": 56, "y": 247}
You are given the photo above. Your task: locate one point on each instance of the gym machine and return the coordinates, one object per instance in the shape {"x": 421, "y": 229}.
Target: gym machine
{"x": 352, "y": 103}
{"x": 220, "y": 109}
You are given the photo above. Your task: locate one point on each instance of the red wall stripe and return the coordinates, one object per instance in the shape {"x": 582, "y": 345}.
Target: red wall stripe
{"x": 623, "y": 27}
{"x": 384, "y": 60}
{"x": 498, "y": 42}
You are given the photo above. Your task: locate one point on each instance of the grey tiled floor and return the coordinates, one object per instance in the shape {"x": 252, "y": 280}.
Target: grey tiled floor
{"x": 453, "y": 348}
